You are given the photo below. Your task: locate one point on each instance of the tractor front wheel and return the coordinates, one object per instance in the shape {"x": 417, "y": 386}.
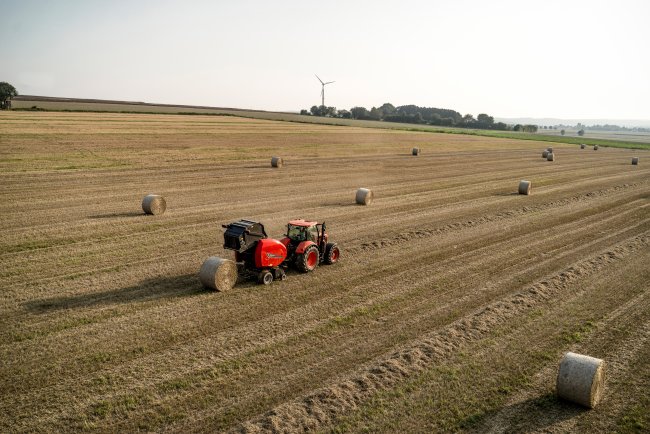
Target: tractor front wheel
{"x": 308, "y": 260}
{"x": 332, "y": 253}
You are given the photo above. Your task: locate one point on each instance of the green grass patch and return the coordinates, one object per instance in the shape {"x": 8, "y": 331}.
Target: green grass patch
{"x": 90, "y": 166}
{"x": 117, "y": 406}
{"x": 637, "y": 418}
{"x": 356, "y": 315}
{"x": 578, "y": 334}
{"x": 99, "y": 357}
{"x": 569, "y": 140}
{"x": 101, "y": 409}
{"x": 66, "y": 324}
{"x": 36, "y": 244}
{"x": 175, "y": 385}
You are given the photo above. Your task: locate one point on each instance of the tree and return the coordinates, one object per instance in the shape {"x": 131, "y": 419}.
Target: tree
{"x": 484, "y": 121}
{"x": 447, "y": 122}
{"x": 387, "y": 109}
{"x": 7, "y": 92}
{"x": 323, "y": 111}
{"x": 345, "y": 114}
{"x": 329, "y": 111}
{"x": 375, "y": 114}
{"x": 581, "y": 132}
{"x": 436, "y": 119}
{"x": 304, "y": 112}
{"x": 468, "y": 119}
{"x": 359, "y": 113}
{"x": 518, "y": 127}
{"x": 562, "y": 132}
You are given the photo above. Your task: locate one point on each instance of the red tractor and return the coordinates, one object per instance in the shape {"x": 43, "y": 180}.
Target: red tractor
{"x": 304, "y": 246}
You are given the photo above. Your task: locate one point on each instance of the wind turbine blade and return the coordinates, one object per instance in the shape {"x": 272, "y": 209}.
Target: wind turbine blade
{"x": 321, "y": 81}
{"x": 329, "y": 82}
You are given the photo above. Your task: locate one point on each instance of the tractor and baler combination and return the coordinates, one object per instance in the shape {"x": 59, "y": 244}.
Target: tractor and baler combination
{"x": 304, "y": 247}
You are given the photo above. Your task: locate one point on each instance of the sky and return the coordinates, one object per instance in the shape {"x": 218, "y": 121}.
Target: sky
{"x": 508, "y": 58}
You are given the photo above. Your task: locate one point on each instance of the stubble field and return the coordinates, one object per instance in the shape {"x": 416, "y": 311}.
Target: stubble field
{"x": 452, "y": 305}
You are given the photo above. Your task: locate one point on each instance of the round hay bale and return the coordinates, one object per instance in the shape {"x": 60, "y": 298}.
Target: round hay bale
{"x": 524, "y": 187}
{"x": 550, "y": 157}
{"x": 544, "y": 154}
{"x": 550, "y": 149}
{"x": 581, "y": 379}
{"x": 277, "y": 162}
{"x": 364, "y": 196}
{"x": 218, "y": 274}
{"x": 154, "y": 204}
{"x": 415, "y": 151}
{"x": 595, "y": 147}
{"x": 635, "y": 161}
{"x": 582, "y": 146}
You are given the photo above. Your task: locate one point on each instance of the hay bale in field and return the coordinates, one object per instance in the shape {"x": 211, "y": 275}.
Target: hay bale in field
{"x": 524, "y": 187}
{"x": 581, "y": 379}
{"x": 415, "y": 151}
{"x": 218, "y": 274}
{"x": 635, "y": 161}
{"x": 154, "y": 204}
{"x": 364, "y": 196}
{"x": 595, "y": 147}
{"x": 582, "y": 146}
{"x": 277, "y": 162}
{"x": 550, "y": 149}
{"x": 544, "y": 154}
{"x": 550, "y": 157}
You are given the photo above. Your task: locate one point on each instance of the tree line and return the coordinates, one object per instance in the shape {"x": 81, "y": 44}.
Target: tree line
{"x": 413, "y": 114}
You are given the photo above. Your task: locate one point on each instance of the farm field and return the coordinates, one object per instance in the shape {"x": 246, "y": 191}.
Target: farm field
{"x": 452, "y": 305}
{"x": 622, "y": 136}
{"x": 605, "y": 138}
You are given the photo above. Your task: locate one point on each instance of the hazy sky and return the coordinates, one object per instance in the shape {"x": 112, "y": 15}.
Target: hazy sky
{"x": 509, "y": 58}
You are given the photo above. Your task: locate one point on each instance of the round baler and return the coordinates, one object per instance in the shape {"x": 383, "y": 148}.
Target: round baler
{"x": 304, "y": 247}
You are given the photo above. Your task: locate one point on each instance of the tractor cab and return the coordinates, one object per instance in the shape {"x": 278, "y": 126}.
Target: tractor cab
{"x": 301, "y": 230}
{"x": 307, "y": 245}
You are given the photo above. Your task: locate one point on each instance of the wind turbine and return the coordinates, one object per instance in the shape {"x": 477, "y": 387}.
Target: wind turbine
{"x": 322, "y": 92}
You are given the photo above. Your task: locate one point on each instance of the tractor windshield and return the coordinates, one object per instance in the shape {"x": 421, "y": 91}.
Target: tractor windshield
{"x": 302, "y": 233}
{"x": 297, "y": 233}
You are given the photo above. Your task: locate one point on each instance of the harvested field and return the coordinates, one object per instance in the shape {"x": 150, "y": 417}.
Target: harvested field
{"x": 452, "y": 305}
{"x": 618, "y": 139}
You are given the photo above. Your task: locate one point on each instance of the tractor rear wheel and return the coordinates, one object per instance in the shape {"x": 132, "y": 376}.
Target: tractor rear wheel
{"x": 265, "y": 277}
{"x": 332, "y": 253}
{"x": 308, "y": 260}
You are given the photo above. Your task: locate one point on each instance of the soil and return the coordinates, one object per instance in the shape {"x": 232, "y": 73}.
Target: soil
{"x": 450, "y": 285}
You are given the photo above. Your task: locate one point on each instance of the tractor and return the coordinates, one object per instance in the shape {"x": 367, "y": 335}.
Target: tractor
{"x": 304, "y": 247}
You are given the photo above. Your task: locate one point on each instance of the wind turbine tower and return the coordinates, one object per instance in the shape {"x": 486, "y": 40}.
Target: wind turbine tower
{"x": 322, "y": 92}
